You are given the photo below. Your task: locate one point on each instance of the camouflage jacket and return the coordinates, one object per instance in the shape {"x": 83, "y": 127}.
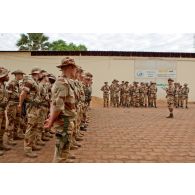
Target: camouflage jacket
{"x": 63, "y": 97}
{"x": 3, "y": 97}
{"x": 14, "y": 90}
{"x": 105, "y": 89}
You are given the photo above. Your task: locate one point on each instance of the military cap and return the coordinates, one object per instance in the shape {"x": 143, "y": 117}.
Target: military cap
{"x": 35, "y": 70}
{"x": 3, "y": 72}
{"x": 106, "y": 82}
{"x": 126, "y": 81}
{"x": 185, "y": 84}
{"x": 18, "y": 72}
{"x": 88, "y": 74}
{"x": 79, "y": 69}
{"x": 66, "y": 62}
{"x": 135, "y": 82}
{"x": 170, "y": 79}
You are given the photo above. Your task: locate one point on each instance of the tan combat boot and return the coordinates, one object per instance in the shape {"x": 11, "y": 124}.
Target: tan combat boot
{"x": 1, "y": 152}
{"x": 40, "y": 143}
{"x": 29, "y": 153}
{"x": 36, "y": 148}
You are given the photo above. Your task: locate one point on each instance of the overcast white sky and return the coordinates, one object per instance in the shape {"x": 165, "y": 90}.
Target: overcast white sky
{"x": 116, "y": 42}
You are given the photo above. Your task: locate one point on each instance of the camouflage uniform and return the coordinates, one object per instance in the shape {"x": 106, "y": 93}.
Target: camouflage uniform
{"x": 126, "y": 95}
{"x": 141, "y": 91}
{"x": 170, "y": 97}
{"x": 153, "y": 94}
{"x": 3, "y": 104}
{"x": 33, "y": 100}
{"x": 176, "y": 97}
{"x": 63, "y": 101}
{"x": 135, "y": 95}
{"x": 106, "y": 90}
{"x": 185, "y": 92}
{"x": 180, "y": 97}
{"x": 112, "y": 93}
{"x": 146, "y": 95}
{"x": 122, "y": 96}
{"x": 14, "y": 117}
{"x": 116, "y": 94}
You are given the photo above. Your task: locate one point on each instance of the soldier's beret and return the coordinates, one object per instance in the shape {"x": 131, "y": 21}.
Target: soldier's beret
{"x": 35, "y": 70}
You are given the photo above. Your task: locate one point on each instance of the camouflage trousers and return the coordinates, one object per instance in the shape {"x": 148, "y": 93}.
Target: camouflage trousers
{"x": 106, "y": 100}
{"x": 170, "y": 102}
{"x": 153, "y": 99}
{"x": 176, "y": 101}
{"x": 2, "y": 125}
{"x": 111, "y": 100}
{"x": 180, "y": 101}
{"x": 63, "y": 139}
{"x": 141, "y": 99}
{"x": 116, "y": 100}
{"x": 185, "y": 100}
{"x": 136, "y": 100}
{"x": 145, "y": 100}
{"x": 41, "y": 121}
{"x": 14, "y": 119}
{"x": 33, "y": 123}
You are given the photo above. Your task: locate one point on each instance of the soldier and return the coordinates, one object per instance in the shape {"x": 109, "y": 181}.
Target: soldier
{"x": 153, "y": 94}
{"x": 185, "y": 92}
{"x": 63, "y": 110}
{"x": 3, "y": 103}
{"x": 31, "y": 93}
{"x": 116, "y": 94}
{"x": 106, "y": 91}
{"x": 122, "y": 93}
{"x": 14, "y": 117}
{"x": 146, "y": 94}
{"x": 112, "y": 92}
{"x": 126, "y": 94}
{"x": 43, "y": 134}
{"x": 176, "y": 97}
{"x": 141, "y": 92}
{"x": 180, "y": 97}
{"x": 170, "y": 97}
{"x": 135, "y": 94}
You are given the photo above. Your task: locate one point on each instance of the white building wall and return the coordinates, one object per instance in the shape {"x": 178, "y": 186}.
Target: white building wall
{"x": 103, "y": 68}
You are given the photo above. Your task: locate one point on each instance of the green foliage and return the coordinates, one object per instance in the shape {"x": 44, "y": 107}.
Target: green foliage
{"x": 61, "y": 45}
{"x": 33, "y": 42}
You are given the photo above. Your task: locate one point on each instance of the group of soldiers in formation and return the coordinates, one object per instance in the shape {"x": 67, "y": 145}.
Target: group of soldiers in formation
{"x": 143, "y": 94}
{"x": 38, "y": 106}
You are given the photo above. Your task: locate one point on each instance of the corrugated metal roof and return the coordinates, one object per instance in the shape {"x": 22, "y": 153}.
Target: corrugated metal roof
{"x": 114, "y": 53}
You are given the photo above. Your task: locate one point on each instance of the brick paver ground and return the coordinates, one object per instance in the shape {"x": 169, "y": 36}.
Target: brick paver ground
{"x": 128, "y": 135}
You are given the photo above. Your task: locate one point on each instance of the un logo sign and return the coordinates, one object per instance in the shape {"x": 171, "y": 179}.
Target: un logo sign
{"x": 140, "y": 74}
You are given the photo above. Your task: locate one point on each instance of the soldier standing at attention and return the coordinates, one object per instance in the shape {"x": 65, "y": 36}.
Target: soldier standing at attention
{"x": 185, "y": 92}
{"x": 176, "y": 98}
{"x": 116, "y": 94}
{"x": 31, "y": 93}
{"x": 3, "y": 103}
{"x": 14, "y": 117}
{"x": 122, "y": 93}
{"x": 146, "y": 94}
{"x": 63, "y": 110}
{"x": 112, "y": 93}
{"x": 153, "y": 94}
{"x": 106, "y": 91}
{"x": 170, "y": 97}
{"x": 141, "y": 92}
{"x": 180, "y": 97}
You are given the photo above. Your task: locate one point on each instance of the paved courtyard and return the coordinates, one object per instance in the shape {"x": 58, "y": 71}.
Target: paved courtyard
{"x": 128, "y": 135}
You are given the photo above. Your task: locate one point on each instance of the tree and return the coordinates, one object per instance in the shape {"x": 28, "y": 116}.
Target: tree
{"x": 61, "y": 45}
{"x": 33, "y": 42}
